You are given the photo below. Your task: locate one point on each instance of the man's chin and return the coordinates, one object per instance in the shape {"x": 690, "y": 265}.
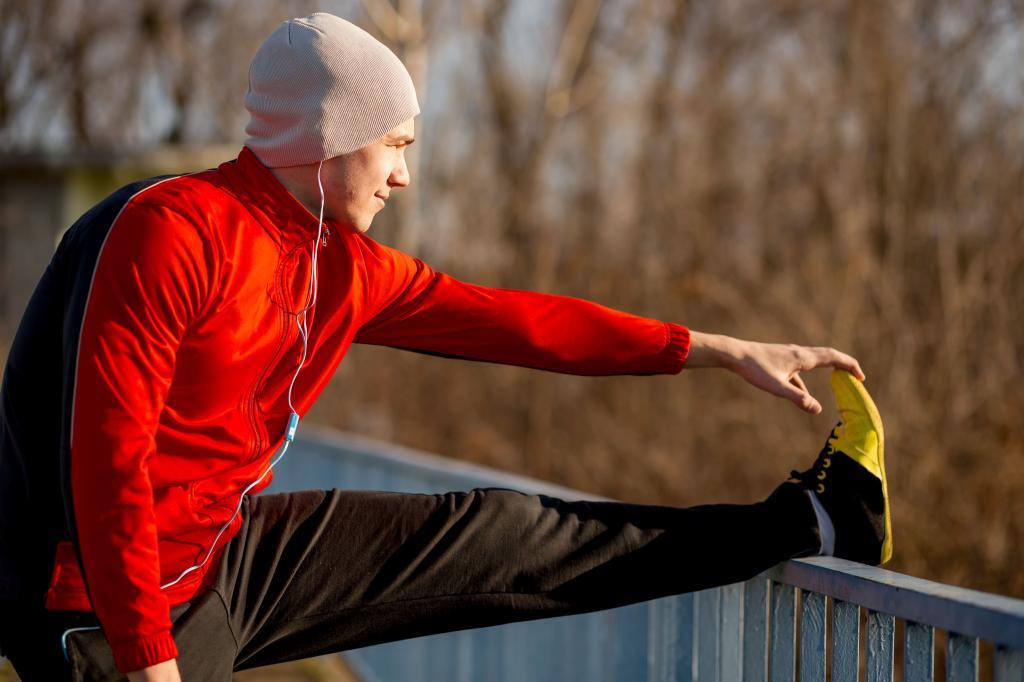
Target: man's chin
{"x": 350, "y": 224}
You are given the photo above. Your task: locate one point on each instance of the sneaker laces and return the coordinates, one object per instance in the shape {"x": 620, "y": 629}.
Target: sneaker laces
{"x": 814, "y": 478}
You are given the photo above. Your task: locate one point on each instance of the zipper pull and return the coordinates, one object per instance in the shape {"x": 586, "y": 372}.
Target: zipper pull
{"x": 327, "y": 233}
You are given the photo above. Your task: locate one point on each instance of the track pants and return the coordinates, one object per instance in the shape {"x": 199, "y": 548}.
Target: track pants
{"x": 316, "y": 572}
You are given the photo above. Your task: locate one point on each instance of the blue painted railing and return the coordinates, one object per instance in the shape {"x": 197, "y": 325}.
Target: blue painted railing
{"x": 801, "y": 618}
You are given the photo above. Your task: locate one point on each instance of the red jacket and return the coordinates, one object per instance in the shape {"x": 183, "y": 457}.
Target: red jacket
{"x": 187, "y": 344}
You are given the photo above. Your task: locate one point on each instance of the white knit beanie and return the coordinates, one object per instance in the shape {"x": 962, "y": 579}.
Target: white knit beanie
{"x": 321, "y": 87}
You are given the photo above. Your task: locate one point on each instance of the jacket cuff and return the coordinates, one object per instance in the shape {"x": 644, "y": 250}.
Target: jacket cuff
{"x": 142, "y": 652}
{"x": 677, "y": 349}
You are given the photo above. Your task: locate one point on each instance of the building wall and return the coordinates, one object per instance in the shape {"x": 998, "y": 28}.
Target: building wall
{"x": 32, "y": 206}
{"x": 40, "y": 197}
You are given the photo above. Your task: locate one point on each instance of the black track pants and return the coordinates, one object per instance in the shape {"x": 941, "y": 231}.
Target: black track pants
{"x": 315, "y": 572}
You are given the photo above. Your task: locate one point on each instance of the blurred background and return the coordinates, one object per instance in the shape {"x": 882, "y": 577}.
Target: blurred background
{"x": 823, "y": 172}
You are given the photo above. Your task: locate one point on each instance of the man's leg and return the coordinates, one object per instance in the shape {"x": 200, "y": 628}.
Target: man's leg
{"x": 319, "y": 572}
{"x": 316, "y": 572}
{"x": 324, "y": 571}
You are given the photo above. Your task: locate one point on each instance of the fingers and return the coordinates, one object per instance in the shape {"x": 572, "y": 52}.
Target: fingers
{"x": 776, "y": 368}
{"x": 830, "y": 357}
{"x": 798, "y": 382}
{"x": 798, "y": 394}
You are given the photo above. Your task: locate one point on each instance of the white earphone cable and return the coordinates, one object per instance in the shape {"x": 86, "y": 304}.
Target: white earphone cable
{"x": 301, "y": 320}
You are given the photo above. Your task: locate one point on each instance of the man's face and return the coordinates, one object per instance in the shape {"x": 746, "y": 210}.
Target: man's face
{"x": 357, "y": 185}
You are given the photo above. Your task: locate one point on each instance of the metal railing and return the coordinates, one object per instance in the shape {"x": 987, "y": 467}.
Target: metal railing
{"x": 800, "y": 620}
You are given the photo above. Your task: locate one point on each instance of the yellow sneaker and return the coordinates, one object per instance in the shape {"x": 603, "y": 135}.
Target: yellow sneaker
{"x": 849, "y": 476}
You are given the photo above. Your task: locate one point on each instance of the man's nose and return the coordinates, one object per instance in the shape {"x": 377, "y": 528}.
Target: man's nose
{"x": 400, "y": 174}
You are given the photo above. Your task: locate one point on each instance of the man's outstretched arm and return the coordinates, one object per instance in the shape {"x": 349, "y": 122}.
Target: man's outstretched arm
{"x": 411, "y": 306}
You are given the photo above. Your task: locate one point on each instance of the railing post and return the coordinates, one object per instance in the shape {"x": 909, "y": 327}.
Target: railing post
{"x": 687, "y": 619}
{"x": 845, "y": 641}
{"x": 661, "y": 639}
{"x": 962, "y": 658}
{"x": 812, "y": 637}
{"x": 755, "y": 629}
{"x": 918, "y": 653}
{"x": 630, "y": 641}
{"x": 1009, "y": 664}
{"x": 782, "y": 631}
{"x": 670, "y": 643}
{"x": 881, "y": 631}
{"x": 731, "y": 640}
{"x": 709, "y": 612}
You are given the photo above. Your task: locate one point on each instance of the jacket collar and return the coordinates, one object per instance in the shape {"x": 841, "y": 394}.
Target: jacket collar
{"x": 266, "y": 198}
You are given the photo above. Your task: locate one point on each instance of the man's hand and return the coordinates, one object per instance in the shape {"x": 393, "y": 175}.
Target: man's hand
{"x": 167, "y": 671}
{"x": 772, "y": 367}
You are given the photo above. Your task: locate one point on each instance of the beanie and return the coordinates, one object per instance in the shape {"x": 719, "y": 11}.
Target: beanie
{"x": 320, "y": 87}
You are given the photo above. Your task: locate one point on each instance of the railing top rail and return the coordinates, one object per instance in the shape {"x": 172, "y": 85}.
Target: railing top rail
{"x": 412, "y": 460}
{"x": 966, "y": 612}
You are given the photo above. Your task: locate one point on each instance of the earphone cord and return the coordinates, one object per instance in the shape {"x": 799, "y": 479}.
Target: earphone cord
{"x": 301, "y": 320}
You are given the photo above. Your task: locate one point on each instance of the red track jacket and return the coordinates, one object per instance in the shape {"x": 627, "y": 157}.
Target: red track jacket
{"x": 174, "y": 303}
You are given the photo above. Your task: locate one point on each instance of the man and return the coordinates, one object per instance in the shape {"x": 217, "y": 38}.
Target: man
{"x": 185, "y": 325}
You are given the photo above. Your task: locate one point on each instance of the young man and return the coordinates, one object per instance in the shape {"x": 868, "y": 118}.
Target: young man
{"x": 183, "y": 327}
